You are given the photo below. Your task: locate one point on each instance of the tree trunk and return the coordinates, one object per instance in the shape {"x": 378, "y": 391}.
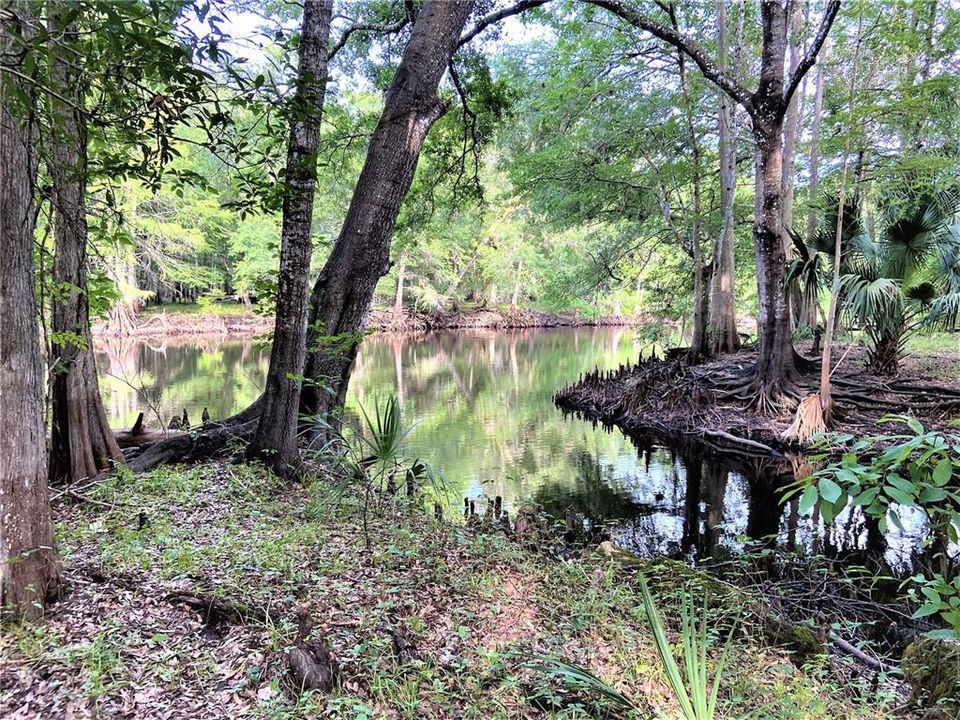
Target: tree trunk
{"x": 791, "y": 127}
{"x": 775, "y": 357}
{"x": 82, "y": 444}
{"x": 723, "y": 319}
{"x": 398, "y": 300}
{"x": 698, "y": 339}
{"x": 514, "y": 299}
{"x": 276, "y": 435}
{"x": 775, "y": 368}
{"x": 810, "y": 302}
{"x": 360, "y": 256}
{"x": 29, "y": 564}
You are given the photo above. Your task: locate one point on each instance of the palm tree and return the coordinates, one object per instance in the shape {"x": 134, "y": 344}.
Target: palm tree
{"x": 809, "y": 273}
{"x": 908, "y": 278}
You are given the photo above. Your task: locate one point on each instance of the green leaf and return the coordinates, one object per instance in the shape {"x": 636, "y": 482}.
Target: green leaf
{"x": 866, "y": 497}
{"x": 932, "y": 495}
{"x": 895, "y": 519}
{"x": 897, "y": 495}
{"x": 942, "y": 473}
{"x": 902, "y": 484}
{"x": 809, "y": 499}
{"x": 829, "y": 490}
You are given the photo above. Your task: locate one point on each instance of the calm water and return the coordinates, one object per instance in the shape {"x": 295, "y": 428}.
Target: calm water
{"x": 484, "y": 415}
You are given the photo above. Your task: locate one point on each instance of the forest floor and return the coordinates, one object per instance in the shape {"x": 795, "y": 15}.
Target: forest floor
{"x": 426, "y": 619}
{"x": 670, "y": 397}
{"x": 232, "y": 319}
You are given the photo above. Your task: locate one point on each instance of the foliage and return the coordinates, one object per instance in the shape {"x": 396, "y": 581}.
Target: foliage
{"x": 908, "y": 277}
{"x": 693, "y": 689}
{"x": 883, "y": 474}
{"x": 473, "y": 607}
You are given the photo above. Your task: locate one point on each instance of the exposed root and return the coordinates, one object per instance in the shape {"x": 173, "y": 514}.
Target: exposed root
{"x": 764, "y": 399}
{"x": 669, "y": 397}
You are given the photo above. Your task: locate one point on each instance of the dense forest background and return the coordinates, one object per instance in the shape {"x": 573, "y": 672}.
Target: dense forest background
{"x": 566, "y": 181}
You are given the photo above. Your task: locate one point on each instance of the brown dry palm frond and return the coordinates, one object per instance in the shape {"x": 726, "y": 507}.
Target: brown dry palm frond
{"x": 808, "y": 420}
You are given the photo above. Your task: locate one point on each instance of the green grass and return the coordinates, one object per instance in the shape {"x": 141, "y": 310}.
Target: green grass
{"x": 935, "y": 342}
{"x": 474, "y": 608}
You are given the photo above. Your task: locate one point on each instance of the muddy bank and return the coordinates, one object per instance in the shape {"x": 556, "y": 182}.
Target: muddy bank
{"x": 183, "y": 321}
{"x": 161, "y": 322}
{"x": 672, "y": 398}
{"x": 484, "y": 318}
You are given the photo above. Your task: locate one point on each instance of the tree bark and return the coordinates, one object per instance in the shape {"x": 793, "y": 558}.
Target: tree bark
{"x": 276, "y": 435}
{"x": 29, "y": 564}
{"x": 517, "y": 285}
{"x": 82, "y": 444}
{"x": 723, "y": 319}
{"x": 398, "y": 299}
{"x": 698, "y": 339}
{"x": 775, "y": 356}
{"x": 791, "y": 127}
{"x": 360, "y": 256}
{"x": 809, "y": 301}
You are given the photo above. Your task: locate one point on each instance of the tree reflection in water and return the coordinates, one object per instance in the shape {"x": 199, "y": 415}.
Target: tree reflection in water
{"x": 482, "y": 404}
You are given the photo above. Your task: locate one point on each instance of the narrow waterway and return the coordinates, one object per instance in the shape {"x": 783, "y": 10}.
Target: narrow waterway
{"x": 482, "y": 409}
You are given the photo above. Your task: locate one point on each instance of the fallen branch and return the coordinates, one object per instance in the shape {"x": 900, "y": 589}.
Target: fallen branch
{"x": 217, "y": 610}
{"x": 742, "y": 441}
{"x": 863, "y": 657}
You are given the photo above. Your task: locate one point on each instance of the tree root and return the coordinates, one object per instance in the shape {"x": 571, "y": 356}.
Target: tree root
{"x": 193, "y": 447}
{"x": 217, "y": 611}
{"x": 764, "y": 400}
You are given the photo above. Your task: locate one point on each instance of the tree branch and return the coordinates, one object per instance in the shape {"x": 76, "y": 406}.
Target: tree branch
{"x": 380, "y": 28}
{"x": 833, "y": 7}
{"x": 708, "y": 66}
{"x": 495, "y": 17}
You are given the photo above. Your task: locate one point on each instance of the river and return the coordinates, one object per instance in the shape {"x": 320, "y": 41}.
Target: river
{"x": 481, "y": 404}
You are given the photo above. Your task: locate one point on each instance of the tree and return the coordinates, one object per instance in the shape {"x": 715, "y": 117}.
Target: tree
{"x": 82, "y": 444}
{"x": 809, "y": 300}
{"x": 29, "y": 564}
{"x": 910, "y": 275}
{"x": 276, "y": 434}
{"x": 701, "y": 269}
{"x": 722, "y": 330}
{"x": 773, "y": 379}
{"x": 360, "y": 256}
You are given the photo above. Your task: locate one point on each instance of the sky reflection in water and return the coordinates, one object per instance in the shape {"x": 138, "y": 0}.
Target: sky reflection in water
{"x": 483, "y": 412}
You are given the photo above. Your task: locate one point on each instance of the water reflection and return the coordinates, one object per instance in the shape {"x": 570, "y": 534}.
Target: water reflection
{"x": 482, "y": 404}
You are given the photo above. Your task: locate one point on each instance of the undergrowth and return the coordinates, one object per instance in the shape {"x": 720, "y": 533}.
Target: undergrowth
{"x": 432, "y": 620}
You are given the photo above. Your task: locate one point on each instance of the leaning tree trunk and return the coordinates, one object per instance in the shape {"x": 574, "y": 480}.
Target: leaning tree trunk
{"x": 722, "y": 331}
{"x": 29, "y": 565}
{"x": 360, "y": 257}
{"x": 276, "y": 435}
{"x": 82, "y": 444}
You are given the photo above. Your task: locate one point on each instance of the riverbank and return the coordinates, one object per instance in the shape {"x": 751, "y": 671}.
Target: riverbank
{"x": 184, "y": 590}
{"x": 674, "y": 399}
{"x": 223, "y": 319}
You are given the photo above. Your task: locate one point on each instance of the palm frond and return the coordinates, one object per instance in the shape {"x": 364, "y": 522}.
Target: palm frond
{"x": 869, "y": 299}
{"x": 944, "y": 311}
